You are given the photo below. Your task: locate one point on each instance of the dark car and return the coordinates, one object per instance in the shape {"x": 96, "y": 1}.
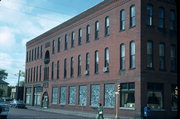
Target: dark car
{"x": 17, "y": 104}
{"x": 4, "y": 109}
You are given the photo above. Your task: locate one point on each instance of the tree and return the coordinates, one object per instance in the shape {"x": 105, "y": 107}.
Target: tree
{"x": 3, "y": 74}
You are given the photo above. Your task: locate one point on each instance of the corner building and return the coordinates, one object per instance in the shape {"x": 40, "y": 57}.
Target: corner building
{"x": 81, "y": 62}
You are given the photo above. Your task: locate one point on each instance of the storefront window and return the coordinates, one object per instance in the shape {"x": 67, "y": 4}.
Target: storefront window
{"x": 37, "y": 93}
{"x": 54, "y": 95}
{"x": 28, "y": 95}
{"x": 155, "y": 95}
{"x": 72, "y": 95}
{"x": 109, "y": 95}
{"x": 95, "y": 95}
{"x": 63, "y": 96}
{"x": 82, "y": 95}
{"x": 174, "y": 97}
{"x": 127, "y": 95}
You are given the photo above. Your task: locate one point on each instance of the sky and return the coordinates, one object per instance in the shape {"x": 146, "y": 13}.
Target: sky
{"x": 23, "y": 20}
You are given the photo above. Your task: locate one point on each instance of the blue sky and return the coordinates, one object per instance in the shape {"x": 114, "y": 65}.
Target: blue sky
{"x": 23, "y": 20}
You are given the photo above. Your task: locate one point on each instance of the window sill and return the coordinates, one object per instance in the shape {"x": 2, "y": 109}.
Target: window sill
{"x": 132, "y": 68}
{"x": 108, "y": 107}
{"x": 121, "y": 30}
{"x": 106, "y": 35}
{"x": 158, "y": 110}
{"x": 130, "y": 27}
{"x": 127, "y": 108}
{"x": 96, "y": 38}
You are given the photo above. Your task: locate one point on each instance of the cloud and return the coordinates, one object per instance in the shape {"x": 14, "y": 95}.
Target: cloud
{"x": 19, "y": 24}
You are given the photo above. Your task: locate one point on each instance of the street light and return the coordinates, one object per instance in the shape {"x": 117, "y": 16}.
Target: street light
{"x": 117, "y": 100}
{"x": 176, "y": 91}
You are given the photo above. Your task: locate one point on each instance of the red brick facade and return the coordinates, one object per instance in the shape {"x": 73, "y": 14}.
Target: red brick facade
{"x": 140, "y": 75}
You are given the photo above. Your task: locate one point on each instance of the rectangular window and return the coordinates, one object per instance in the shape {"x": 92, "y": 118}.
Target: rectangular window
{"x": 109, "y": 95}
{"x": 35, "y": 54}
{"x": 107, "y": 24}
{"x": 79, "y": 65}
{"x": 38, "y": 52}
{"x": 72, "y": 39}
{"x": 40, "y": 73}
{"x": 54, "y": 95}
{"x": 72, "y": 67}
{"x": 172, "y": 20}
{"x": 122, "y": 57}
{"x": 28, "y": 95}
{"x": 82, "y": 95}
{"x": 62, "y": 95}
{"x": 58, "y": 69}
{"x": 52, "y": 71}
{"x": 161, "y": 56}
{"x": 132, "y": 55}
{"x": 96, "y": 62}
{"x": 72, "y": 95}
{"x": 122, "y": 20}
{"x": 80, "y": 37}
{"x": 31, "y": 74}
{"x": 37, "y": 95}
{"x": 149, "y": 12}
{"x": 36, "y": 73}
{"x": 127, "y": 95}
{"x": 41, "y": 52}
{"x": 155, "y": 95}
{"x": 26, "y": 57}
{"x": 28, "y": 75}
{"x": 174, "y": 98}
{"x": 59, "y": 44}
{"x": 161, "y": 17}
{"x": 96, "y": 30}
{"x": 65, "y": 70}
{"x": 53, "y": 46}
{"x": 173, "y": 57}
{"x": 88, "y": 30}
{"x": 29, "y": 55}
{"x": 132, "y": 16}
{"x": 149, "y": 54}
{"x": 66, "y": 42}
{"x": 32, "y": 55}
{"x": 95, "y": 95}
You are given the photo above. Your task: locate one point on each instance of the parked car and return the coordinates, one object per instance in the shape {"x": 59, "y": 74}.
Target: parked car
{"x": 4, "y": 109}
{"x": 17, "y": 104}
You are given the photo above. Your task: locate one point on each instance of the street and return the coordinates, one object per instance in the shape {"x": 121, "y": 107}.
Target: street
{"x": 15, "y": 113}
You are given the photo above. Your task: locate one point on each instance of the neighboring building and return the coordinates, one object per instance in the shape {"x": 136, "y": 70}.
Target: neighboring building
{"x": 3, "y": 88}
{"x": 128, "y": 42}
{"x": 17, "y": 92}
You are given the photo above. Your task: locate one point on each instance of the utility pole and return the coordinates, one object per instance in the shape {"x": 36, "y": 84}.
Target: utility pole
{"x": 19, "y": 77}
{"x": 117, "y": 101}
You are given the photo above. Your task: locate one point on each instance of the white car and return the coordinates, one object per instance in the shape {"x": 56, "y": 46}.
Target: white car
{"x": 4, "y": 109}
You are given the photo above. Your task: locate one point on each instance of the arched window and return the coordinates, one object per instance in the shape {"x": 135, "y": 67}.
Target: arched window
{"x": 79, "y": 65}
{"x": 65, "y": 69}
{"x": 96, "y": 30}
{"x": 122, "y": 19}
{"x": 107, "y": 24}
{"x": 122, "y": 57}
{"x": 106, "y": 60}
{"x": 80, "y": 37}
{"x": 132, "y": 55}
{"x": 87, "y": 63}
{"x": 88, "y": 30}
{"x": 132, "y": 16}
{"x": 96, "y": 62}
{"x": 72, "y": 67}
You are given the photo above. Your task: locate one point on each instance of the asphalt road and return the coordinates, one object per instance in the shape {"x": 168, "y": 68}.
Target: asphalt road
{"x": 15, "y": 113}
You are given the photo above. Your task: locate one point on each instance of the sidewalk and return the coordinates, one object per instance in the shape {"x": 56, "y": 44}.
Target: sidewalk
{"x": 70, "y": 112}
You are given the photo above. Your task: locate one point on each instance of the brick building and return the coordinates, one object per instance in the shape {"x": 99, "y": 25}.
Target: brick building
{"x": 79, "y": 63}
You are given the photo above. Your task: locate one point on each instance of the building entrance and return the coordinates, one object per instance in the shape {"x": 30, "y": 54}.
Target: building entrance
{"x": 45, "y": 100}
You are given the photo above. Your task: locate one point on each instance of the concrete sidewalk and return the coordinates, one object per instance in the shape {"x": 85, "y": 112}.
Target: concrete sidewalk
{"x": 70, "y": 112}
